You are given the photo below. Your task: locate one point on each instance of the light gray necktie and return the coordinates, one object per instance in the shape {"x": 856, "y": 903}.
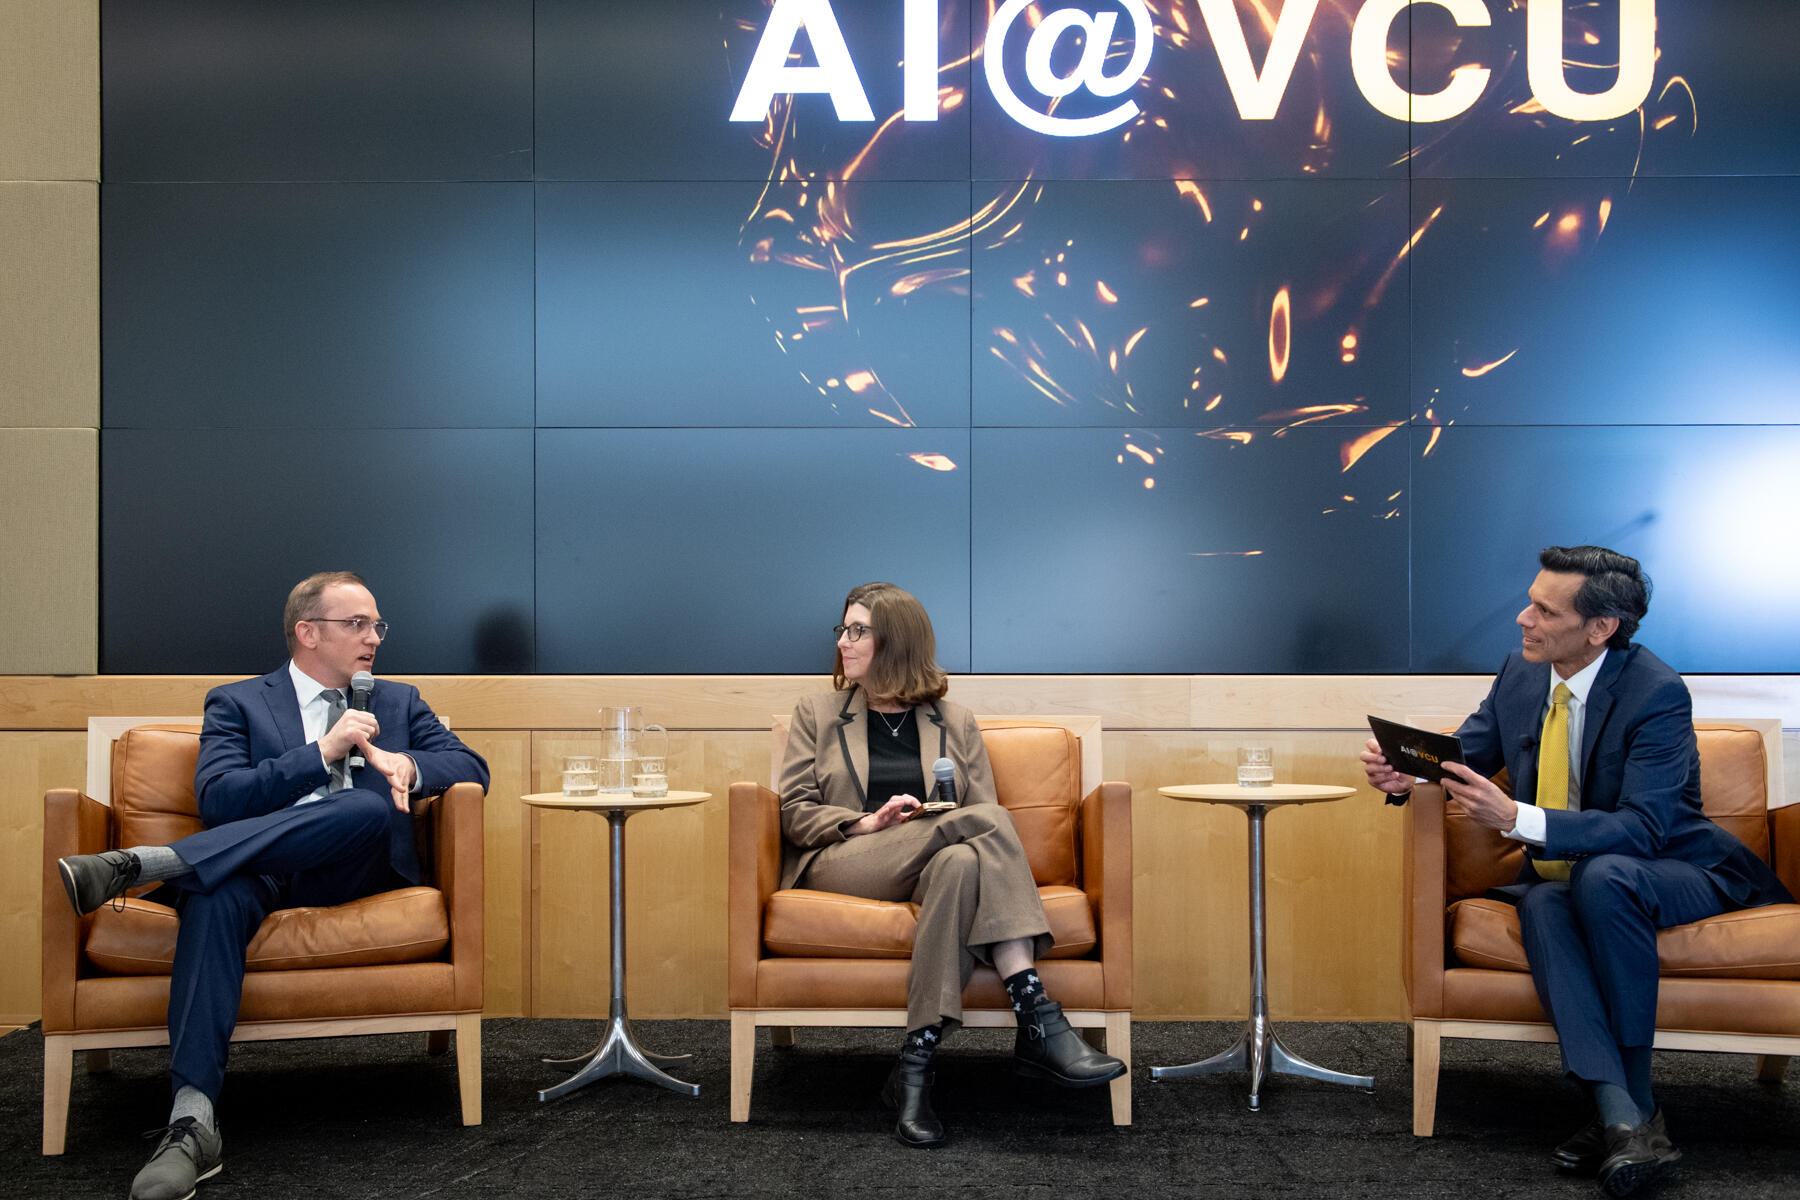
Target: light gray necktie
{"x": 340, "y": 770}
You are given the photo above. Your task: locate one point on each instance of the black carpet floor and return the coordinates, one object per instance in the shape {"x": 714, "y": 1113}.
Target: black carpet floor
{"x": 377, "y": 1118}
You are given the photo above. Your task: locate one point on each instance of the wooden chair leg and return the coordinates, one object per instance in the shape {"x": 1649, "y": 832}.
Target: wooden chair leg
{"x": 743, "y": 1062}
{"x": 781, "y": 1036}
{"x": 468, "y": 1066}
{"x": 59, "y": 1068}
{"x": 1426, "y": 1045}
{"x": 1118, "y": 1044}
{"x": 1771, "y": 1067}
{"x": 437, "y": 1041}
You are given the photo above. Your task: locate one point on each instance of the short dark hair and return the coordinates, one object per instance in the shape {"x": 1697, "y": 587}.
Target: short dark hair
{"x": 303, "y": 601}
{"x": 1615, "y": 586}
{"x": 904, "y": 666}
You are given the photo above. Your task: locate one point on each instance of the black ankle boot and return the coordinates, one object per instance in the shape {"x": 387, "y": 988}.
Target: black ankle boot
{"x": 908, "y": 1089}
{"x": 1048, "y": 1048}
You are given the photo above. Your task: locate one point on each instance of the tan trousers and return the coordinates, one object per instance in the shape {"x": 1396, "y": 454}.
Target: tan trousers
{"x": 966, "y": 871}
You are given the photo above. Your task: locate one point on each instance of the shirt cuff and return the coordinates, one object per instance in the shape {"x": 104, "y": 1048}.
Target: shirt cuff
{"x": 418, "y": 782}
{"x": 1531, "y": 825}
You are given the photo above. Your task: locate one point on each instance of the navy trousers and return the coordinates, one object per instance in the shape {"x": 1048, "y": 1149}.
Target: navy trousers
{"x": 328, "y": 852}
{"x": 1591, "y": 943}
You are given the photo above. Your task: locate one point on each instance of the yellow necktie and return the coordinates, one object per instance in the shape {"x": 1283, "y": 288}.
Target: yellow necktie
{"x": 1553, "y": 772}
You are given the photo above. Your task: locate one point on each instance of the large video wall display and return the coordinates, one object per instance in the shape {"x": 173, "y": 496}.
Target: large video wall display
{"x": 1131, "y": 335}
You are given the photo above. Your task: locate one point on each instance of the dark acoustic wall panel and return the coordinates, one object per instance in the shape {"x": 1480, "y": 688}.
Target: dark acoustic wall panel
{"x": 1130, "y": 337}
{"x": 642, "y": 92}
{"x": 664, "y": 304}
{"x": 773, "y": 528}
{"x": 1705, "y": 510}
{"x": 205, "y": 531}
{"x": 1155, "y": 550}
{"x": 339, "y": 306}
{"x": 1671, "y": 313}
{"x": 316, "y": 89}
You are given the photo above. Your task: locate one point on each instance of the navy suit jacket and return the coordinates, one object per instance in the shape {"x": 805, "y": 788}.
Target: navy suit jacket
{"x": 255, "y": 759}
{"x": 1640, "y": 771}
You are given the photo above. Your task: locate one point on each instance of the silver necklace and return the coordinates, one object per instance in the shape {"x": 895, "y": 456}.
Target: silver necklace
{"x": 893, "y": 729}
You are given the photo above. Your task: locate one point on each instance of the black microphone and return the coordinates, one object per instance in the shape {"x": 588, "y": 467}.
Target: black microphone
{"x": 945, "y": 771}
{"x": 1527, "y": 743}
{"x": 361, "y": 684}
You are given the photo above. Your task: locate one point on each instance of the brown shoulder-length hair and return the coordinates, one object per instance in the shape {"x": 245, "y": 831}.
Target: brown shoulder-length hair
{"x": 904, "y": 666}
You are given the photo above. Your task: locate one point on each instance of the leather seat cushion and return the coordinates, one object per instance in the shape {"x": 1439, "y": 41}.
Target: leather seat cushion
{"x": 802, "y": 923}
{"x": 1753, "y": 943}
{"x": 403, "y": 926}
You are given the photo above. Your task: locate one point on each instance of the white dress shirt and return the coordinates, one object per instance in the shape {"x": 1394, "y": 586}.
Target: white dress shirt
{"x": 1532, "y": 824}
{"x": 315, "y": 711}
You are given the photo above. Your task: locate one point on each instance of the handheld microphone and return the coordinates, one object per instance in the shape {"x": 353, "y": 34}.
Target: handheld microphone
{"x": 361, "y": 684}
{"x": 945, "y": 772}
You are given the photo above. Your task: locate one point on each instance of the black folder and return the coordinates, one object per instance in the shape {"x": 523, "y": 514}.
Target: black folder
{"x": 1416, "y": 752}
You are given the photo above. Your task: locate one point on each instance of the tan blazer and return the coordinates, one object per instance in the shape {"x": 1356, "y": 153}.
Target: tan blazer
{"x": 826, "y": 770}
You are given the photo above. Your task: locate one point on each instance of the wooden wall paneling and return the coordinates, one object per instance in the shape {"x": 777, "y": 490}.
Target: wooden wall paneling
{"x": 549, "y": 702}
{"x": 1333, "y": 875}
{"x": 503, "y": 976}
{"x": 568, "y": 893}
{"x": 66, "y": 702}
{"x": 30, "y": 765}
{"x": 674, "y": 877}
{"x": 1190, "y": 908}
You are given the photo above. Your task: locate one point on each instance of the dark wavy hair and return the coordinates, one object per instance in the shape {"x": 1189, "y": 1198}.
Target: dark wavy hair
{"x": 904, "y": 666}
{"x": 1615, "y": 586}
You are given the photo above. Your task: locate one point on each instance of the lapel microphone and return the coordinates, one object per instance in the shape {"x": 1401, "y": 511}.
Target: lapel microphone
{"x": 361, "y": 684}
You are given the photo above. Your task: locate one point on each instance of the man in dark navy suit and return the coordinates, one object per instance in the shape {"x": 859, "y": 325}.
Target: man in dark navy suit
{"x": 1598, "y": 736}
{"x": 293, "y": 819}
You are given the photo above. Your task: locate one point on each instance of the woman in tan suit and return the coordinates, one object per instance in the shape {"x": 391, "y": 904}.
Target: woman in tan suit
{"x": 858, "y": 760}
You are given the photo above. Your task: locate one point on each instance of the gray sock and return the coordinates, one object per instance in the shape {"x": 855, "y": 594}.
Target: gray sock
{"x": 158, "y": 862}
{"x": 190, "y": 1101}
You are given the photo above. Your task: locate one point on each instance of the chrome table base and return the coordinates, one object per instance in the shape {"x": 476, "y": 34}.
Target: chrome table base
{"x": 1259, "y": 1050}
{"x": 618, "y": 1052}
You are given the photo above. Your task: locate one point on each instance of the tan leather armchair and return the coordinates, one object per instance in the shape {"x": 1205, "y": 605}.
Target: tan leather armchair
{"x": 403, "y": 961}
{"x": 1730, "y": 983}
{"x": 802, "y": 957}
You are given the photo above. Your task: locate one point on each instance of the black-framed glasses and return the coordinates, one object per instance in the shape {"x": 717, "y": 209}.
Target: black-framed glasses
{"x": 357, "y": 624}
{"x": 857, "y": 631}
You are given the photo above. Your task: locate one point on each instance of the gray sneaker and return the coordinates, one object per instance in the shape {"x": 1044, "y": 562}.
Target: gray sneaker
{"x": 188, "y": 1153}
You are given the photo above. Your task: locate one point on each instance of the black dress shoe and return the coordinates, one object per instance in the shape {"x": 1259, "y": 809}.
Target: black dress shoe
{"x": 93, "y": 879}
{"x": 908, "y": 1089}
{"x": 1583, "y": 1153}
{"x": 1634, "y": 1157}
{"x": 1048, "y": 1048}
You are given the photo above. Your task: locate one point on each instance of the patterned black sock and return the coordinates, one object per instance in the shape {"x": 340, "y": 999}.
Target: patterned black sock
{"x": 923, "y": 1042}
{"x": 1025, "y": 989}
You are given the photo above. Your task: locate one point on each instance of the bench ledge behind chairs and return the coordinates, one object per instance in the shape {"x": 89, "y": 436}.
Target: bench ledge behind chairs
{"x": 1740, "y": 763}
{"x": 1103, "y": 848}
{"x": 451, "y": 989}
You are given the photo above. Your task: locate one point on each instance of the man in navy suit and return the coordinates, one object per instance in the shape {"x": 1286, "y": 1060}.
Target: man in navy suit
{"x": 1598, "y": 736}
{"x": 293, "y": 819}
